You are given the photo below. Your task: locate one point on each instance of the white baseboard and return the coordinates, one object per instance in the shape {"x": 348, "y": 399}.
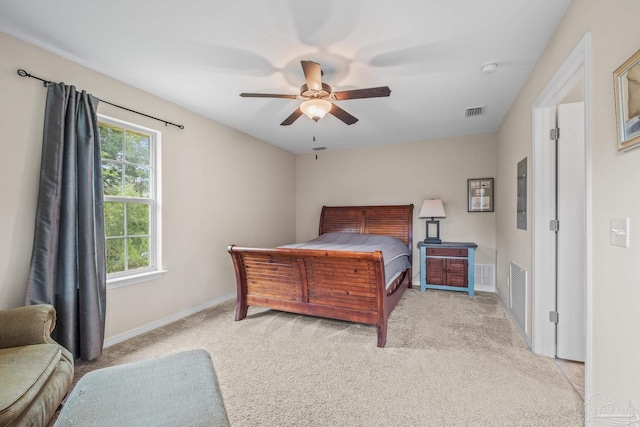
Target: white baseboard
{"x": 162, "y": 322}
{"x": 507, "y": 309}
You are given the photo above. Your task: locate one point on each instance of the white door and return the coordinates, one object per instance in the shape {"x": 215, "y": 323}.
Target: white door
{"x": 571, "y": 237}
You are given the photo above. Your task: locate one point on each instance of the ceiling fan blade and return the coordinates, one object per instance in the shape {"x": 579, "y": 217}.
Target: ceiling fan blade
{"x": 312, "y": 74}
{"x": 342, "y": 115}
{"x": 372, "y": 92}
{"x": 292, "y": 118}
{"x": 267, "y": 95}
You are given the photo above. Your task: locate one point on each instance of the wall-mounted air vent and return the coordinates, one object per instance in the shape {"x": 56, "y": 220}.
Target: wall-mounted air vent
{"x": 518, "y": 294}
{"x": 473, "y": 111}
{"x": 485, "y": 277}
{"x": 319, "y": 148}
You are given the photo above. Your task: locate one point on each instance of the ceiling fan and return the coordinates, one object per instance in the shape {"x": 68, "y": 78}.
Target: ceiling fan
{"x": 316, "y": 96}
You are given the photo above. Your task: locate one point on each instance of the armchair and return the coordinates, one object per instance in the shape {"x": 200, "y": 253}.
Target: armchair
{"x": 36, "y": 371}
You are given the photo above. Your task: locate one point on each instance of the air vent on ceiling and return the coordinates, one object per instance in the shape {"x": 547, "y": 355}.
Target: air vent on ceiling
{"x": 473, "y": 111}
{"x": 319, "y": 148}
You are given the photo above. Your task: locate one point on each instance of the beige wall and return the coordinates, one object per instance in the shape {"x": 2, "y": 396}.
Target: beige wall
{"x": 207, "y": 156}
{"x": 213, "y": 178}
{"x": 616, "y": 289}
{"x": 401, "y": 174}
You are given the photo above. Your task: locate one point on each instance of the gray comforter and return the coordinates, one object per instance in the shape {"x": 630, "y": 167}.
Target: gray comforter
{"x": 394, "y": 252}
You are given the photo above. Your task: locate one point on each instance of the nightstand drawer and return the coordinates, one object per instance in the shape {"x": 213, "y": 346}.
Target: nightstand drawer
{"x": 462, "y": 252}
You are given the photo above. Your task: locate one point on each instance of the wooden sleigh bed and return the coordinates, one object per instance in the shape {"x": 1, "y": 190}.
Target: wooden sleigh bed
{"x": 335, "y": 284}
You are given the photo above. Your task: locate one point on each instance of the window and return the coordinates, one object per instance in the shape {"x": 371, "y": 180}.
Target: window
{"x": 131, "y": 180}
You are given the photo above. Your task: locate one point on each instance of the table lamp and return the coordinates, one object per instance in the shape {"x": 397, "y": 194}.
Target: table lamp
{"x": 432, "y": 208}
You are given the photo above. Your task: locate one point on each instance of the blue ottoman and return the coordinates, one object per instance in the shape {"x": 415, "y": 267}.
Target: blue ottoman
{"x": 176, "y": 390}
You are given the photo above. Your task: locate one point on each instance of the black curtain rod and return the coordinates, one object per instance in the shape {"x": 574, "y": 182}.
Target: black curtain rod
{"x": 23, "y": 73}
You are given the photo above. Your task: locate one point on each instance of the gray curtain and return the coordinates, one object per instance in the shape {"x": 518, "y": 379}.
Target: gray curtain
{"x": 68, "y": 259}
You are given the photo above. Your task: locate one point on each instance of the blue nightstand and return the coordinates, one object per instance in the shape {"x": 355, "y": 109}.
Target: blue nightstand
{"x": 447, "y": 266}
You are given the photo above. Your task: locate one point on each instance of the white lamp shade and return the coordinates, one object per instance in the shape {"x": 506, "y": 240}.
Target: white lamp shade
{"x": 432, "y": 208}
{"x": 315, "y": 109}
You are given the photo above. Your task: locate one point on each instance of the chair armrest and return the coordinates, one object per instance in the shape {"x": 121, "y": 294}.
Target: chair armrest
{"x": 27, "y": 325}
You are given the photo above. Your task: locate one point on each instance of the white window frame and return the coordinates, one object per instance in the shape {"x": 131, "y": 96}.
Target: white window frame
{"x": 154, "y": 271}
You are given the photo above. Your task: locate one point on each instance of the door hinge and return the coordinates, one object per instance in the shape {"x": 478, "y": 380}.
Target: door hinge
{"x": 554, "y": 225}
{"x": 554, "y": 134}
{"x": 553, "y": 316}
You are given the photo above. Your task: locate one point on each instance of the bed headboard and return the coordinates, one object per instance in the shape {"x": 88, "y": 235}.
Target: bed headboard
{"x": 394, "y": 221}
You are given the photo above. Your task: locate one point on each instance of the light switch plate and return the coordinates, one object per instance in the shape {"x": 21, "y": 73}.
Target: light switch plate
{"x": 620, "y": 232}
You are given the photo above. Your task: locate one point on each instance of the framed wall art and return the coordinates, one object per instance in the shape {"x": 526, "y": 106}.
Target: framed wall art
{"x": 480, "y": 195}
{"x": 626, "y": 84}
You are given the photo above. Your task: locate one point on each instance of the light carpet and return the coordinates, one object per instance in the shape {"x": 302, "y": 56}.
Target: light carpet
{"x": 449, "y": 360}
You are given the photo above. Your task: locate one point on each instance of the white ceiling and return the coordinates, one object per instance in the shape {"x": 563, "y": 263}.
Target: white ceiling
{"x": 202, "y": 54}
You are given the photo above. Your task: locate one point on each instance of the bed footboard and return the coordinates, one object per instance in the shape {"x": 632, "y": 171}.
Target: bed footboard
{"x": 334, "y": 284}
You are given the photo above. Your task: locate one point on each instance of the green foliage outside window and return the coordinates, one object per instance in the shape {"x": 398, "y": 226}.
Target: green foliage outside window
{"x": 126, "y": 169}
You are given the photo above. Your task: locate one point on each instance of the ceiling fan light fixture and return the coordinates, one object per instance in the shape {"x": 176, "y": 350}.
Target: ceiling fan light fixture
{"x": 315, "y": 95}
{"x": 315, "y": 109}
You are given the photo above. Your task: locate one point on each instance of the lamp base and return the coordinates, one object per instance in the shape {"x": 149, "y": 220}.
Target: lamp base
{"x": 432, "y": 240}
{"x": 433, "y": 227}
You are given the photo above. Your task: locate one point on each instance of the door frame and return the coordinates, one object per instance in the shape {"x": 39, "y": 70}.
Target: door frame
{"x": 576, "y": 69}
